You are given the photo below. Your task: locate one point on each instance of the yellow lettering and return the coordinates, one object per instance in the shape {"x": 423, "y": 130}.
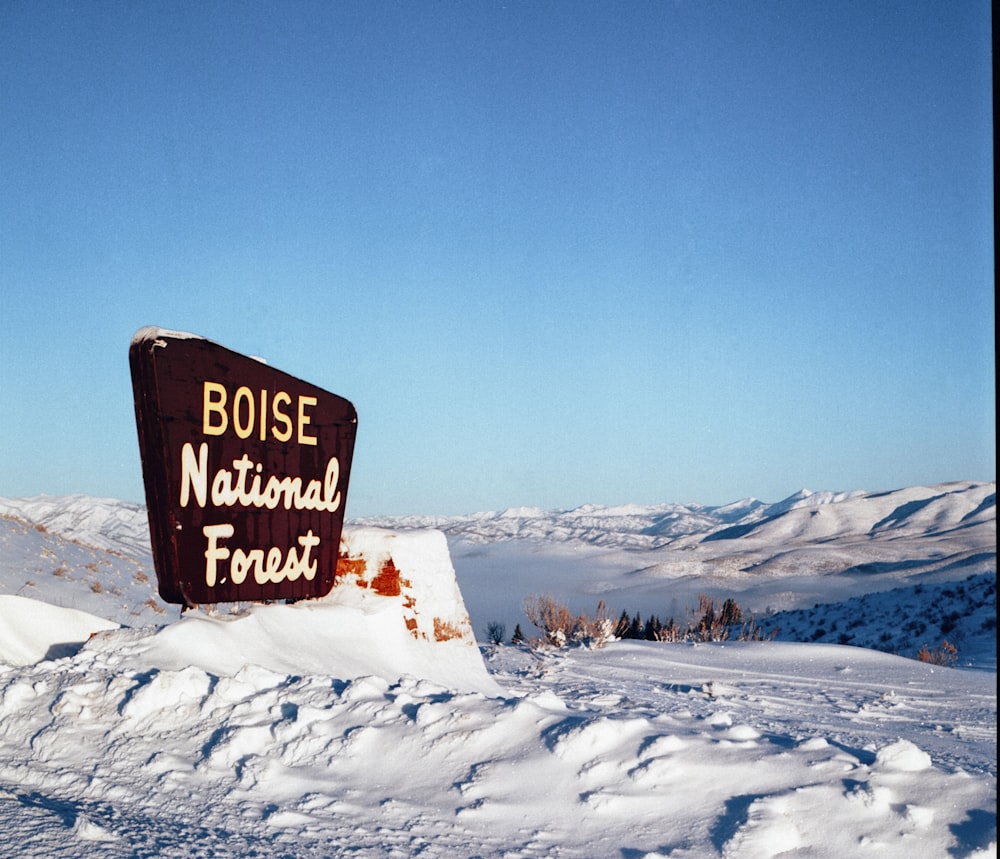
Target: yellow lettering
{"x": 194, "y": 474}
{"x": 330, "y": 494}
{"x": 242, "y": 562}
{"x": 284, "y": 434}
{"x": 247, "y": 414}
{"x": 305, "y": 419}
{"x": 214, "y": 401}
{"x": 214, "y": 552}
{"x": 272, "y": 566}
{"x": 245, "y": 484}
{"x": 245, "y": 394}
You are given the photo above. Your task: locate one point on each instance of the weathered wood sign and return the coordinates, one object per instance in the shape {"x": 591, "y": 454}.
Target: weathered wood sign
{"x": 245, "y": 468}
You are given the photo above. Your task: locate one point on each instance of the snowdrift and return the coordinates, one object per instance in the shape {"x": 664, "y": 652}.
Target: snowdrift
{"x": 739, "y": 751}
{"x": 31, "y": 631}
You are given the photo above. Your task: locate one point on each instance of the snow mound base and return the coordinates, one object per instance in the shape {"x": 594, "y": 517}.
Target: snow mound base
{"x": 396, "y": 611}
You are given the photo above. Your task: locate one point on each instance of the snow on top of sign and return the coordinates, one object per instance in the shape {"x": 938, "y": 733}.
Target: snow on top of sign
{"x": 154, "y": 332}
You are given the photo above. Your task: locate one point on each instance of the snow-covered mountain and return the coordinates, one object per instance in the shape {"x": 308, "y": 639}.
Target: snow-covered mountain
{"x": 804, "y": 516}
{"x": 277, "y": 731}
{"x": 103, "y": 523}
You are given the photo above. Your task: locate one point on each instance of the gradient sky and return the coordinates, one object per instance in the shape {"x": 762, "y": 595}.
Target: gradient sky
{"x": 554, "y": 253}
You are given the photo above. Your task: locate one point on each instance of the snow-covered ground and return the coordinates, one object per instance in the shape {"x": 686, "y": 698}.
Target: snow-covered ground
{"x": 309, "y": 730}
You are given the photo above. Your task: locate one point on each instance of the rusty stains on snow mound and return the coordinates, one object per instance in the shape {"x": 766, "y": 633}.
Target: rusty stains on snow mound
{"x": 411, "y": 570}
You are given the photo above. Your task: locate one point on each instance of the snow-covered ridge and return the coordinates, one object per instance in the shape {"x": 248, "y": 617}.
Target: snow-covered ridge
{"x": 106, "y": 573}
{"x": 104, "y": 523}
{"x": 803, "y": 516}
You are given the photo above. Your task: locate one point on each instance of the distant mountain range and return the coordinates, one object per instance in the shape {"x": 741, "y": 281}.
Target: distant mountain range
{"x": 803, "y": 517}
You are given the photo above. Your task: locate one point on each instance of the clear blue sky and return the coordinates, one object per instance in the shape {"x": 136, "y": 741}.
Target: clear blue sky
{"x": 554, "y": 253}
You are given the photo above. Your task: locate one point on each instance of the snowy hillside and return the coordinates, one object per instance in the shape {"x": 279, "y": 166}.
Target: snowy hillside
{"x": 103, "y": 523}
{"x": 110, "y": 574}
{"x": 905, "y": 620}
{"x": 313, "y": 730}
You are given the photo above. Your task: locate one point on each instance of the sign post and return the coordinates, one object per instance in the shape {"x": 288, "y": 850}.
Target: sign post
{"x": 245, "y": 468}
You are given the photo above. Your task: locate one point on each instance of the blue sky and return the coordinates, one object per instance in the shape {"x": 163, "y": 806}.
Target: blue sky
{"x": 554, "y": 253}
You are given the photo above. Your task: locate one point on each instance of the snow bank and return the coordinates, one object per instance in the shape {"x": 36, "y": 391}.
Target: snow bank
{"x": 736, "y": 751}
{"x": 31, "y": 631}
{"x": 396, "y": 611}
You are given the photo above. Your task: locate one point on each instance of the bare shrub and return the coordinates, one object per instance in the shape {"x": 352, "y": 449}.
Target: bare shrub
{"x": 751, "y": 632}
{"x": 946, "y": 654}
{"x": 495, "y": 632}
{"x": 731, "y": 614}
{"x": 595, "y": 631}
{"x": 710, "y": 625}
{"x": 670, "y": 632}
{"x": 720, "y": 624}
{"x": 560, "y": 627}
{"x": 553, "y": 618}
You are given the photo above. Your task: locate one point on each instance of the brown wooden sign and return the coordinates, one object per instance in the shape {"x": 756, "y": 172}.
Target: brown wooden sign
{"x": 246, "y": 471}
